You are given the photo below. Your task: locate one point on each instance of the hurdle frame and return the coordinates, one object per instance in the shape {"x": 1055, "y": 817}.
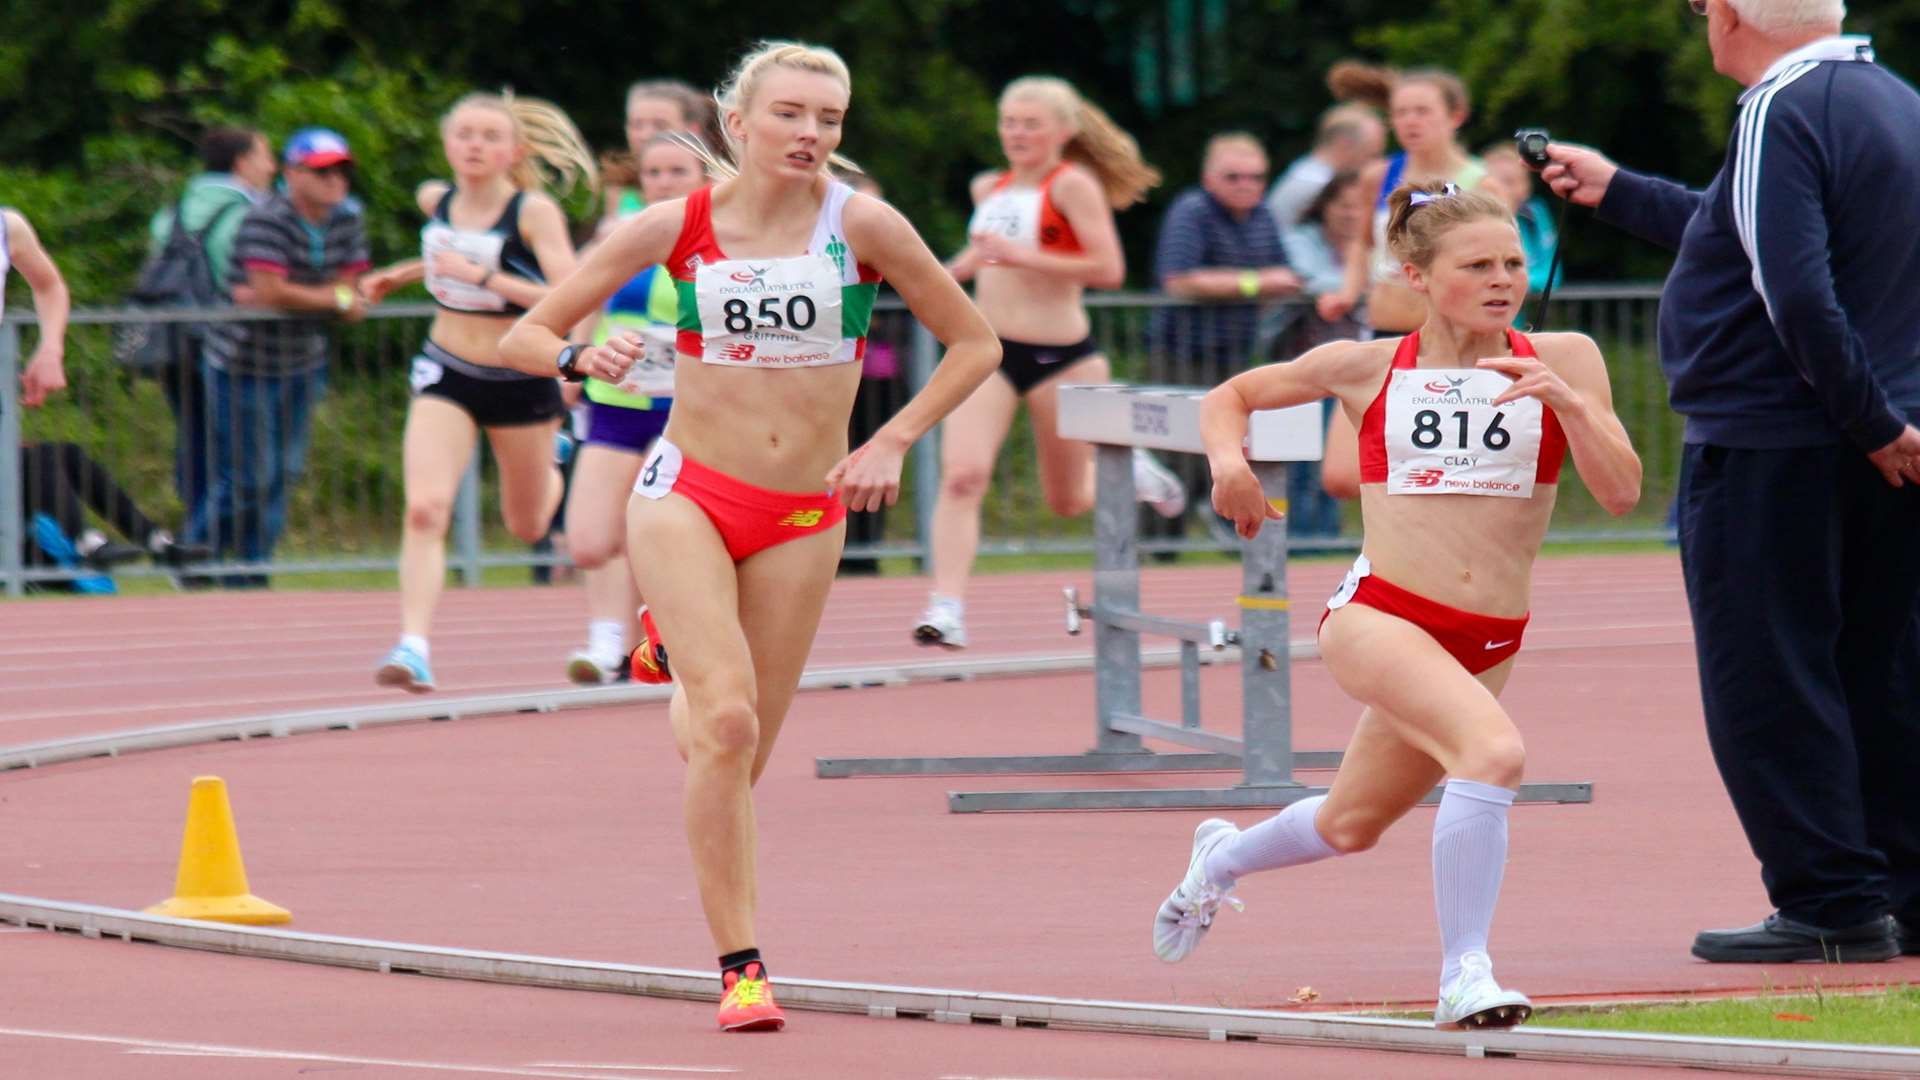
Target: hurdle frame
{"x": 1119, "y": 419}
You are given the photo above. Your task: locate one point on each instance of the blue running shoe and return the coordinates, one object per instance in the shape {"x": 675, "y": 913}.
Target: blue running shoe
{"x": 54, "y": 542}
{"x": 405, "y": 668}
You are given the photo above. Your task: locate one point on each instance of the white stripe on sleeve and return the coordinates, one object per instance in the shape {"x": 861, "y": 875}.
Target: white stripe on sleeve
{"x": 1746, "y": 171}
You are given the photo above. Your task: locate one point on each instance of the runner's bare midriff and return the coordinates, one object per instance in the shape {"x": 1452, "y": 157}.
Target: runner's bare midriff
{"x": 1472, "y": 552}
{"x": 1031, "y": 307}
{"x": 759, "y": 426}
{"x": 471, "y": 337}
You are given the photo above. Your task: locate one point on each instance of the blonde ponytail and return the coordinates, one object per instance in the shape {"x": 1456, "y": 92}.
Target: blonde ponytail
{"x": 555, "y": 157}
{"x": 1098, "y": 143}
{"x": 736, "y": 95}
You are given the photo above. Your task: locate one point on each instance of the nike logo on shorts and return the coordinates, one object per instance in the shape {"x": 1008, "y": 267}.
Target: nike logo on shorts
{"x": 1492, "y": 645}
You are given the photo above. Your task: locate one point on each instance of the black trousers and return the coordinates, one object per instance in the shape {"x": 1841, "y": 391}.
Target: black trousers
{"x": 61, "y": 481}
{"x": 1803, "y": 576}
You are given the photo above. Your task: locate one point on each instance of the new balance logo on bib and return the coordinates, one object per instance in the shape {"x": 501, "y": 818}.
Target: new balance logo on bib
{"x": 1436, "y": 431}
{"x": 1445, "y": 436}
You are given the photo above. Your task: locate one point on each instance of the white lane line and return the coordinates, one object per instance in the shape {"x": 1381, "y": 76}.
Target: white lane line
{"x": 628, "y": 1068}
{"x": 969, "y": 1076}
{"x": 162, "y": 1047}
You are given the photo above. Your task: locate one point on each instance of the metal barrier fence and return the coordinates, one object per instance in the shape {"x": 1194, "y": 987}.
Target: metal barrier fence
{"x": 344, "y": 510}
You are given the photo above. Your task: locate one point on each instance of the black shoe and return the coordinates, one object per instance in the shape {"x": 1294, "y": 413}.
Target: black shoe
{"x": 111, "y": 553}
{"x": 1779, "y": 939}
{"x": 173, "y": 553}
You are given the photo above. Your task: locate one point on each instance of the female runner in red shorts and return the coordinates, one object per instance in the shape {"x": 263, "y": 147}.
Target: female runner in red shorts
{"x": 741, "y": 507}
{"x": 1463, "y": 426}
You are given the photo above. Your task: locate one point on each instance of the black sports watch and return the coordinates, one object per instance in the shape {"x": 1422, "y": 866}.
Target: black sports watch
{"x": 568, "y": 357}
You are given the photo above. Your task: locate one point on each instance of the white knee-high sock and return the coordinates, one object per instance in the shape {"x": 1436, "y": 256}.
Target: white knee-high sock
{"x": 1469, "y": 859}
{"x": 607, "y": 638}
{"x": 1288, "y": 838}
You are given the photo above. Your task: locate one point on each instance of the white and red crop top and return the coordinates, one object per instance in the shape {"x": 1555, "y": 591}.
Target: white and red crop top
{"x": 807, "y": 310}
{"x": 1435, "y": 431}
{"x": 1025, "y": 215}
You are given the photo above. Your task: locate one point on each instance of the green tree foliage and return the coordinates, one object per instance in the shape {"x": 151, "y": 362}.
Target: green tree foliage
{"x": 104, "y": 97}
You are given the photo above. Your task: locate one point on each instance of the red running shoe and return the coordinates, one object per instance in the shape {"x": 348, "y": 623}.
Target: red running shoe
{"x": 748, "y": 1004}
{"x": 648, "y": 661}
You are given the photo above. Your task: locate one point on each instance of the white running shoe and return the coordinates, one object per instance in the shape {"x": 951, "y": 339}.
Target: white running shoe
{"x": 1476, "y": 1002}
{"x": 941, "y": 624}
{"x": 1185, "y": 915}
{"x": 406, "y": 669}
{"x": 1154, "y": 485}
{"x": 589, "y": 670}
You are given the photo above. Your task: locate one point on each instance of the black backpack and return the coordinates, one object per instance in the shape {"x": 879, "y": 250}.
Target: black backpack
{"x": 179, "y": 275}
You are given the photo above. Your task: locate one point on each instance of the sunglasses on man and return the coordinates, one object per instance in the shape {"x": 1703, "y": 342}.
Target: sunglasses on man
{"x": 1243, "y": 177}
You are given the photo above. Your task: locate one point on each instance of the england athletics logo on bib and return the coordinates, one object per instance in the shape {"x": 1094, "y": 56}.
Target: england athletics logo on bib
{"x": 771, "y": 312}
{"x": 1445, "y": 436}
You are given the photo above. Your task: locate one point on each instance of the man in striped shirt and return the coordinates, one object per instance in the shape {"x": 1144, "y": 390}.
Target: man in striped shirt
{"x": 301, "y": 251}
{"x": 1219, "y": 251}
{"x": 1791, "y": 345}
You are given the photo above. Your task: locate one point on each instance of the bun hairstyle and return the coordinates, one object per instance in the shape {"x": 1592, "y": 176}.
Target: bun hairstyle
{"x": 1362, "y": 84}
{"x": 1098, "y": 143}
{"x": 1373, "y": 84}
{"x": 556, "y": 156}
{"x": 736, "y": 94}
{"x": 1414, "y": 228}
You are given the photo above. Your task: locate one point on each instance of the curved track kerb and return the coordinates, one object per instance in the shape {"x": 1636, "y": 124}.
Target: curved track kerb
{"x": 969, "y": 1007}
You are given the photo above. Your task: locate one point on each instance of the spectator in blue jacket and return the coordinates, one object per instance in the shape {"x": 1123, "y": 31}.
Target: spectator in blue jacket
{"x": 1791, "y": 345}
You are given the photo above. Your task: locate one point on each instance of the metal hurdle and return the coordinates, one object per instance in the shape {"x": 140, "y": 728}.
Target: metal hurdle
{"x": 1117, "y": 419}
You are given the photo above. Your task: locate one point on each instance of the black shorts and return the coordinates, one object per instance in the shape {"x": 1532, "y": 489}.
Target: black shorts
{"x": 493, "y": 396}
{"x": 1027, "y": 366}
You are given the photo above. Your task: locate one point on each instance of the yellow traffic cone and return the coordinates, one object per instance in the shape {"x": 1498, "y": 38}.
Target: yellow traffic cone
{"x": 212, "y": 882}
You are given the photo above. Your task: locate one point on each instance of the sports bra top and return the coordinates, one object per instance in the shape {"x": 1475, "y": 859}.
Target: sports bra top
{"x": 806, "y": 310}
{"x": 1025, "y": 215}
{"x": 499, "y": 248}
{"x": 1435, "y": 431}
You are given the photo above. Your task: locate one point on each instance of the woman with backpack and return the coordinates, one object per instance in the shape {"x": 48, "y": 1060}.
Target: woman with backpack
{"x": 190, "y": 247}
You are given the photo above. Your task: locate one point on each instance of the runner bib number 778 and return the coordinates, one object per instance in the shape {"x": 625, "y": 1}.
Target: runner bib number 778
{"x": 1444, "y": 436}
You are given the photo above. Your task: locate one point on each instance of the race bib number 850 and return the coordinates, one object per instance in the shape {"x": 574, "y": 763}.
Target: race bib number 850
{"x": 771, "y": 312}
{"x": 1444, "y": 435}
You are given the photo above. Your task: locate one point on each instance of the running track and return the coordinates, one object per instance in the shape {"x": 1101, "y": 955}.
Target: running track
{"x": 558, "y": 834}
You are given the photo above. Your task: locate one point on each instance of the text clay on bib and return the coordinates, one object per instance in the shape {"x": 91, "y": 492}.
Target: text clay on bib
{"x": 1444, "y": 435}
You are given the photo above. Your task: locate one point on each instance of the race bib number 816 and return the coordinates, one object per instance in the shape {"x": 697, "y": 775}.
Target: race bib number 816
{"x": 1445, "y": 436}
